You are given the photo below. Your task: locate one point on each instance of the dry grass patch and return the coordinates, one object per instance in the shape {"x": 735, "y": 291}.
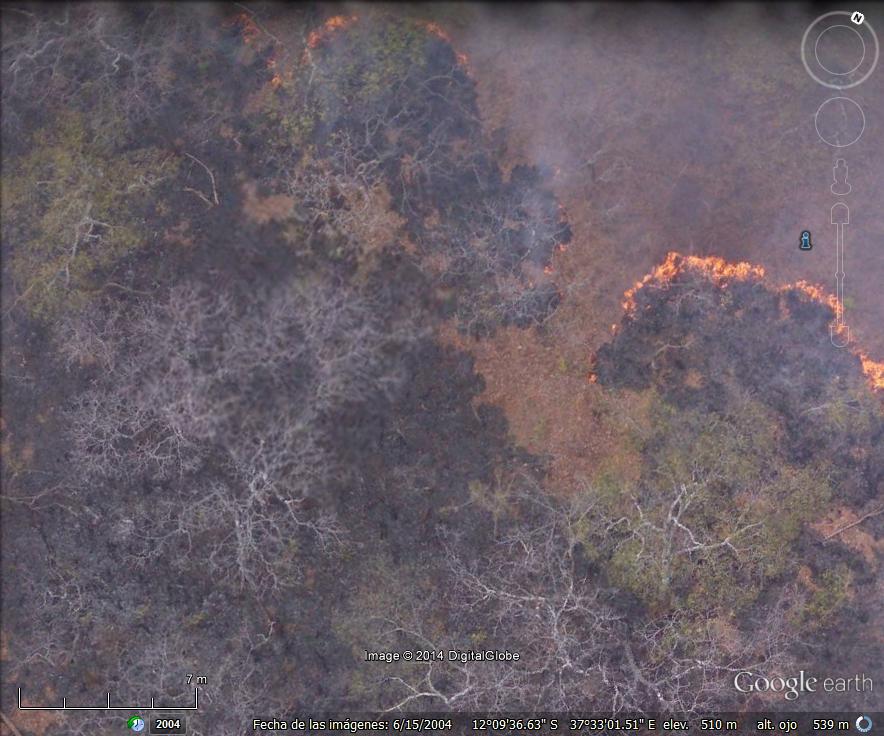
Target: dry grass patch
{"x": 552, "y": 408}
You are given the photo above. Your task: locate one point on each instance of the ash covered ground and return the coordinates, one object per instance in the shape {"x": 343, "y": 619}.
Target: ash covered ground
{"x": 334, "y": 329}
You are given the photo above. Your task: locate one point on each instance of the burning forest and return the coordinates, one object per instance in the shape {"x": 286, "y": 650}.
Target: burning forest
{"x": 296, "y": 334}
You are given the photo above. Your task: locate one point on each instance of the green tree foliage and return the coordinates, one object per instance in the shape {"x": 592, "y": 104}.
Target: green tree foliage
{"x": 830, "y": 594}
{"x": 120, "y": 62}
{"x": 584, "y": 643}
{"x": 387, "y": 100}
{"x": 72, "y": 209}
{"x": 759, "y": 425}
{"x": 717, "y": 506}
{"x": 380, "y": 57}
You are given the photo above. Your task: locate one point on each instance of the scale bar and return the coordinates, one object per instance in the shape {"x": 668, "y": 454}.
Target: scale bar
{"x": 65, "y": 706}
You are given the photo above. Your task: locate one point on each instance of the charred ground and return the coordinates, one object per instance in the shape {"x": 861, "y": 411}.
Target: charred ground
{"x": 234, "y": 442}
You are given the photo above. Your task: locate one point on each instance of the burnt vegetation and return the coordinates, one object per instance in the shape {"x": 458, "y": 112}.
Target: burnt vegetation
{"x": 233, "y": 445}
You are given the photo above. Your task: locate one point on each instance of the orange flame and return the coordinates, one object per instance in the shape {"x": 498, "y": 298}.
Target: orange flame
{"x": 716, "y": 269}
{"x": 247, "y": 27}
{"x": 333, "y": 24}
{"x": 282, "y": 71}
{"x": 721, "y": 273}
{"x": 818, "y": 294}
{"x": 436, "y": 30}
{"x": 340, "y": 22}
{"x": 874, "y": 371}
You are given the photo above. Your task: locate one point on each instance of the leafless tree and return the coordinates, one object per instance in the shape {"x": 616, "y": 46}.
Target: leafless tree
{"x": 242, "y": 394}
{"x": 161, "y": 668}
{"x": 579, "y": 648}
{"x": 91, "y": 53}
{"x": 665, "y": 534}
{"x": 340, "y": 194}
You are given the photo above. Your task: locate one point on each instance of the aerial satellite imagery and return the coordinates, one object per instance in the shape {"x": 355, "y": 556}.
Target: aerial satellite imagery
{"x": 452, "y": 367}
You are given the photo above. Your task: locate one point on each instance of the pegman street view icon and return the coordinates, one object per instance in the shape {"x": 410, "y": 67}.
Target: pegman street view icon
{"x": 840, "y": 186}
{"x": 804, "y": 242}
